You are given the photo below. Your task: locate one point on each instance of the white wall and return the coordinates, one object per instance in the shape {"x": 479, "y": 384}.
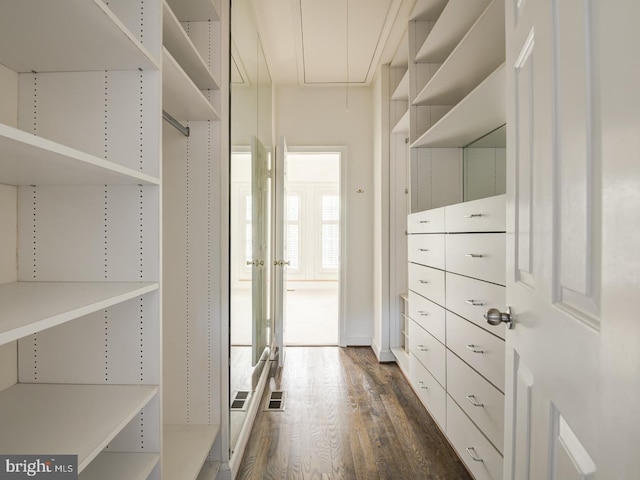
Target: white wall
{"x": 318, "y": 117}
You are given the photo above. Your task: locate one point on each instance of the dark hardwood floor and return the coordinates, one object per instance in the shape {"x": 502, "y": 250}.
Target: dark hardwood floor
{"x": 346, "y": 417}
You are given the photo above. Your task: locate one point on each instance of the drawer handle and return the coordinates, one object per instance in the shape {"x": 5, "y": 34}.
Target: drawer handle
{"x": 422, "y": 385}
{"x": 423, "y": 313}
{"x": 475, "y": 303}
{"x": 474, "y": 456}
{"x": 474, "y": 255}
{"x": 473, "y": 215}
{"x": 422, "y": 348}
{"x": 423, "y": 249}
{"x": 474, "y": 401}
{"x": 474, "y": 349}
{"x": 424, "y": 221}
{"x": 423, "y": 281}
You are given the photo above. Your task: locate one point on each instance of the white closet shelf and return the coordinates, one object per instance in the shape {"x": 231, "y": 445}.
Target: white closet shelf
{"x": 483, "y": 110}
{"x": 451, "y": 27}
{"x": 68, "y": 36}
{"x": 181, "y": 98}
{"x": 479, "y": 53}
{"x": 78, "y": 420}
{"x": 209, "y": 470}
{"x": 403, "y": 124}
{"x": 30, "y": 307}
{"x": 111, "y": 465}
{"x": 427, "y": 9}
{"x": 177, "y": 42}
{"x": 29, "y": 160}
{"x": 195, "y": 10}
{"x": 186, "y": 448}
{"x": 402, "y": 90}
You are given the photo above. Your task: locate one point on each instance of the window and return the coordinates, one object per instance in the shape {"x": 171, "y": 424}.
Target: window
{"x": 293, "y": 231}
{"x": 330, "y": 228}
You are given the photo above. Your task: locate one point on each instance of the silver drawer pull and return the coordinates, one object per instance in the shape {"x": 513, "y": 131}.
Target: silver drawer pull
{"x": 473, "y": 255}
{"x": 422, "y": 348}
{"x": 475, "y": 303}
{"x": 423, "y": 313}
{"x": 424, "y": 221}
{"x": 473, "y": 215}
{"x": 474, "y": 401}
{"x": 423, "y": 249}
{"x": 423, "y": 281}
{"x": 474, "y": 348}
{"x": 474, "y": 456}
{"x": 422, "y": 385}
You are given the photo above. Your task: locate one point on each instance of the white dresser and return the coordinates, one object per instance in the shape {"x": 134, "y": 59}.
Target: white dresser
{"x": 456, "y": 359}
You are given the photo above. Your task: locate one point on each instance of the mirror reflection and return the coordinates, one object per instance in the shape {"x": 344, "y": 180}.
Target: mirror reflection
{"x": 250, "y": 223}
{"x": 484, "y": 165}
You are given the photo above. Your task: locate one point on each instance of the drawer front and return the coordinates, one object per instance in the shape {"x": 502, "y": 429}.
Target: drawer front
{"x": 427, "y": 281}
{"x": 428, "y": 315}
{"x": 480, "y": 400}
{"x": 427, "y": 249}
{"x": 483, "y": 351}
{"x": 469, "y": 442}
{"x": 484, "y": 215}
{"x": 478, "y": 255}
{"x": 431, "y": 394}
{"x": 471, "y": 298}
{"x": 430, "y": 352}
{"x": 427, "y": 221}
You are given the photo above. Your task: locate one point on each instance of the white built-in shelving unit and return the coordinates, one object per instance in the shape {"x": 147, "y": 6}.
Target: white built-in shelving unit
{"x": 82, "y": 274}
{"x": 193, "y": 66}
{"x": 79, "y": 305}
{"x": 456, "y": 95}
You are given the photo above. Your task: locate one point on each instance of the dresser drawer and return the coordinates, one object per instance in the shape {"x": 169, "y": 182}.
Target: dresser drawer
{"x": 480, "y": 400}
{"x": 482, "y": 459}
{"x": 427, "y": 281}
{"x": 478, "y": 255}
{"x": 483, "y": 351}
{"x": 428, "y": 315}
{"x": 427, "y": 221}
{"x": 429, "y": 351}
{"x": 471, "y": 298}
{"x": 484, "y": 215}
{"x": 431, "y": 394}
{"x": 427, "y": 249}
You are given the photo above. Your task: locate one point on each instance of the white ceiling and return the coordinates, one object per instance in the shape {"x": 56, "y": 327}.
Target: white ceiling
{"x": 329, "y": 42}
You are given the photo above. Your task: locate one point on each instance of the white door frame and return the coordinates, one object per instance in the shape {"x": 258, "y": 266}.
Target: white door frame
{"x": 342, "y": 274}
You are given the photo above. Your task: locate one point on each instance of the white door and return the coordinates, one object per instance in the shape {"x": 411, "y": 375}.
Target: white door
{"x": 573, "y": 266}
{"x": 280, "y": 246}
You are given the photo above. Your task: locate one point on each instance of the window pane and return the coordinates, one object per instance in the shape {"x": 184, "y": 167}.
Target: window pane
{"x": 293, "y": 208}
{"x": 330, "y": 208}
{"x": 248, "y": 208}
{"x": 248, "y": 246}
{"x": 293, "y": 247}
{"x": 330, "y": 246}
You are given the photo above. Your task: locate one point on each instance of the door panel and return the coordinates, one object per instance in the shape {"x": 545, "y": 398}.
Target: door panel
{"x": 552, "y": 354}
{"x": 280, "y": 247}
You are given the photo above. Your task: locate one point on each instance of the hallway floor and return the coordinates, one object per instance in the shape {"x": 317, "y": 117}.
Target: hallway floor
{"x": 346, "y": 417}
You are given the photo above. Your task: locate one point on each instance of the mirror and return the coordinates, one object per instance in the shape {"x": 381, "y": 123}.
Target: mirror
{"x": 250, "y": 223}
{"x": 484, "y": 165}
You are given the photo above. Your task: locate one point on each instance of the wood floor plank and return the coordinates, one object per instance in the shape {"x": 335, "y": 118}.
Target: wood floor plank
{"x": 346, "y": 417}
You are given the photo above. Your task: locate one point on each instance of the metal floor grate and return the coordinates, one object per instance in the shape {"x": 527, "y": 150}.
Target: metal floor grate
{"x": 275, "y": 402}
{"x": 241, "y": 400}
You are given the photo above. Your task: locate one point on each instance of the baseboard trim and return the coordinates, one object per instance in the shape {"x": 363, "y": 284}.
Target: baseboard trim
{"x": 358, "y": 341}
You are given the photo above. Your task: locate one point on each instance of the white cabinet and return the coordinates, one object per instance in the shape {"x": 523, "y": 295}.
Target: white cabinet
{"x": 450, "y": 342}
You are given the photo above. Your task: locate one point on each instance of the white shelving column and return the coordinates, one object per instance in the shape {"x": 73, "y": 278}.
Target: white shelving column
{"x": 195, "y": 92}
{"x": 80, "y": 326}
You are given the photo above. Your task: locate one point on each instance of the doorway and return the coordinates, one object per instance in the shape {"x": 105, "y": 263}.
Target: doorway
{"x": 313, "y": 230}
